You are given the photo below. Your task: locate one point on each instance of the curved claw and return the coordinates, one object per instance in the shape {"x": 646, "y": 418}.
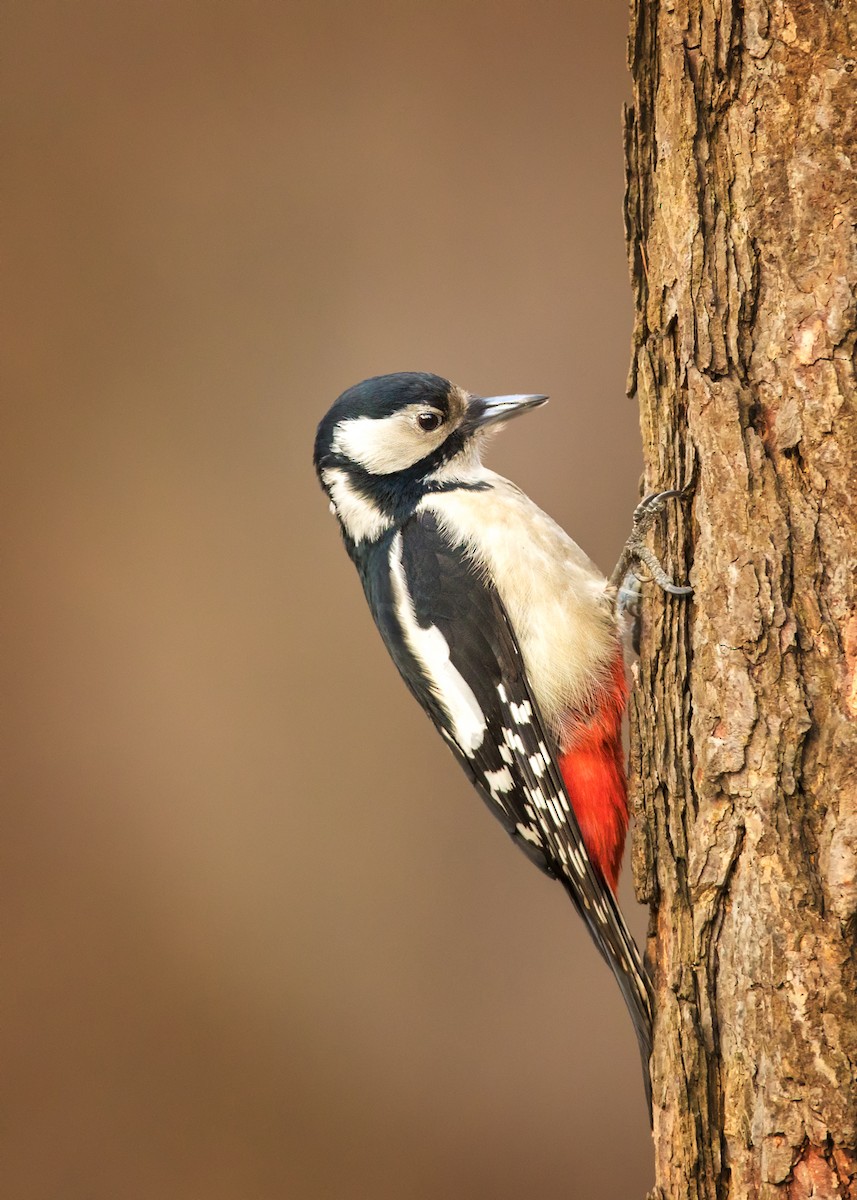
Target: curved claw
{"x": 657, "y": 498}
{"x": 651, "y": 505}
{"x": 636, "y": 551}
{"x": 649, "y": 559}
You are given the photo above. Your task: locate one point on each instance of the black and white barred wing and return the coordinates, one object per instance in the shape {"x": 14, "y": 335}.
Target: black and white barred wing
{"x": 448, "y": 632}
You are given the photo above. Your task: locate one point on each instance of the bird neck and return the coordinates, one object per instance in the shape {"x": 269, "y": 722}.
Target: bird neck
{"x": 368, "y": 505}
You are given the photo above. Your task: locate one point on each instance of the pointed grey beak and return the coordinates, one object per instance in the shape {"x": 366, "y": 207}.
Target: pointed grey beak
{"x": 485, "y": 410}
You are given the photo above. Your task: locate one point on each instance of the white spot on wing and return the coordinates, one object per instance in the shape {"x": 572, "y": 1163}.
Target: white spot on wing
{"x": 553, "y": 805}
{"x": 499, "y": 781}
{"x": 431, "y": 650}
{"x": 521, "y": 713}
{"x": 529, "y": 834}
{"x": 537, "y": 797}
{"x": 577, "y": 861}
{"x": 513, "y": 740}
{"x": 538, "y": 765}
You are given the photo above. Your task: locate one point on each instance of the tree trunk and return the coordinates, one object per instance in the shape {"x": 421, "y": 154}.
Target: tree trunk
{"x": 741, "y": 207}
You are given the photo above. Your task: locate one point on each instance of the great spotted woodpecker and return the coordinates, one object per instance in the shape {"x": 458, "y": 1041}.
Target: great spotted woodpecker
{"x": 503, "y": 629}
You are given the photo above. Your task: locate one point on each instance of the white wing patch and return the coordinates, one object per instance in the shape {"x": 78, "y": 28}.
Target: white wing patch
{"x": 431, "y": 650}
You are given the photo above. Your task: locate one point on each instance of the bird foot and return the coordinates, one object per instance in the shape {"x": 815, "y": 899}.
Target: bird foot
{"x": 625, "y": 579}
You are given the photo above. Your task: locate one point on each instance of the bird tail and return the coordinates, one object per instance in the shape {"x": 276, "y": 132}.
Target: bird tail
{"x": 619, "y": 950}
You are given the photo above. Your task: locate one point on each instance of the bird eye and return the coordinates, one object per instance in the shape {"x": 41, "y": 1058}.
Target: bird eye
{"x": 429, "y": 421}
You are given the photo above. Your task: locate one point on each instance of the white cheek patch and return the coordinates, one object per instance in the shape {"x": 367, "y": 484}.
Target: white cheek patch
{"x": 431, "y": 651}
{"x": 383, "y": 445}
{"x": 363, "y": 521}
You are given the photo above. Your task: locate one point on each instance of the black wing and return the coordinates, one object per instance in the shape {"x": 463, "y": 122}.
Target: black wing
{"x": 448, "y": 633}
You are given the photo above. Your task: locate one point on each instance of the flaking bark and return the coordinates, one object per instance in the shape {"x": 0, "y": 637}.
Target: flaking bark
{"x": 741, "y": 204}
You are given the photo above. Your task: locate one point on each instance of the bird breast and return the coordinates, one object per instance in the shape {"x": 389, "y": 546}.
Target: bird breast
{"x": 553, "y": 593}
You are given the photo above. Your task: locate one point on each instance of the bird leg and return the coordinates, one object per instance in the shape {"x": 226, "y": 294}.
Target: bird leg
{"x": 625, "y": 579}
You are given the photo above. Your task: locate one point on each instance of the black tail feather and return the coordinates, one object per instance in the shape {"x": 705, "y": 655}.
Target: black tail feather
{"x": 632, "y": 977}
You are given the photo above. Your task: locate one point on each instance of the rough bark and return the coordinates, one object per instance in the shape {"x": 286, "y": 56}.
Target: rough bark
{"x": 741, "y": 205}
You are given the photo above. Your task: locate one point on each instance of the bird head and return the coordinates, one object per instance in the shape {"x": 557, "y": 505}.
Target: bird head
{"x": 391, "y": 438}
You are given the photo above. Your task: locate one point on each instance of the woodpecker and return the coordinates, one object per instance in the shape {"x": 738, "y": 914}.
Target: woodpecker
{"x": 502, "y": 628}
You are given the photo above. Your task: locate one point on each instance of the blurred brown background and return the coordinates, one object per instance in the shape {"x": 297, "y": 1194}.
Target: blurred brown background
{"x": 262, "y": 940}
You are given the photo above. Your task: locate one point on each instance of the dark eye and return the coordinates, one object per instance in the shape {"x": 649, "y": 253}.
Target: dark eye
{"x": 429, "y": 421}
